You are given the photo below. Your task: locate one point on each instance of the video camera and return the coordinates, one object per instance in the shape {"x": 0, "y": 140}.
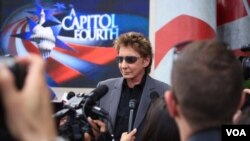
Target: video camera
{"x": 76, "y": 111}
{"x": 19, "y": 72}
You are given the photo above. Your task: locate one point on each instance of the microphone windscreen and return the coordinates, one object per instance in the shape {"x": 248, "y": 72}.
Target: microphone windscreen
{"x": 154, "y": 95}
{"x": 70, "y": 95}
{"x": 132, "y": 103}
{"x": 99, "y": 92}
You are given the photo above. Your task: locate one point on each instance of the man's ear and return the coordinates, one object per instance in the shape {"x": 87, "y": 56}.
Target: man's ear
{"x": 171, "y": 103}
{"x": 146, "y": 62}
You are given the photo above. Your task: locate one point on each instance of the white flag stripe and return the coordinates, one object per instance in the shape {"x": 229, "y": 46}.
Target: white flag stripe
{"x": 164, "y": 68}
{"x": 167, "y": 10}
{"x": 236, "y": 33}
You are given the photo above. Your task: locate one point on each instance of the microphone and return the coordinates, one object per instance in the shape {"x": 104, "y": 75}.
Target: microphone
{"x": 154, "y": 95}
{"x": 132, "y": 106}
{"x": 89, "y": 100}
{"x": 58, "y": 105}
{"x": 70, "y": 95}
{"x": 67, "y": 96}
{"x": 96, "y": 94}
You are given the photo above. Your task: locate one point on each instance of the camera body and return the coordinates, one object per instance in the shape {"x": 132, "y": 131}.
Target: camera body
{"x": 76, "y": 112}
{"x": 19, "y": 72}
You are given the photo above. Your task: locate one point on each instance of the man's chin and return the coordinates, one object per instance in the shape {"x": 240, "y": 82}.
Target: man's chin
{"x": 127, "y": 76}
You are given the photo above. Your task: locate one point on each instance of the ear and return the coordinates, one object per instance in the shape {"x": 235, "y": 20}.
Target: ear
{"x": 171, "y": 103}
{"x": 146, "y": 62}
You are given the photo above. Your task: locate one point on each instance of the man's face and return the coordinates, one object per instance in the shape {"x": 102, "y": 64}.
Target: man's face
{"x": 131, "y": 64}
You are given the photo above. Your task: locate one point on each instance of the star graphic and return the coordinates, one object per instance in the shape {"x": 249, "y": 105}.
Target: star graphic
{"x": 59, "y": 5}
{"x": 44, "y": 32}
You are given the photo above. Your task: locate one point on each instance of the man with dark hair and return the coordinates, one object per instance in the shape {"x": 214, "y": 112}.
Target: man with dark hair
{"x": 134, "y": 61}
{"x": 206, "y": 92}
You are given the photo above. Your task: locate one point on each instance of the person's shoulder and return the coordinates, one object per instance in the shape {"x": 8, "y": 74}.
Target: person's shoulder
{"x": 158, "y": 82}
{"x": 110, "y": 80}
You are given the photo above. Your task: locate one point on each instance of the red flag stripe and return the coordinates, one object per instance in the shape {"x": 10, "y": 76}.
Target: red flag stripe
{"x": 182, "y": 28}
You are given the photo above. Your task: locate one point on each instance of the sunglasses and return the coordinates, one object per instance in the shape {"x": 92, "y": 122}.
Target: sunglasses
{"x": 128, "y": 59}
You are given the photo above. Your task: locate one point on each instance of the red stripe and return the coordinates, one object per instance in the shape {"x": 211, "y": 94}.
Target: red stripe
{"x": 94, "y": 54}
{"x": 59, "y": 72}
{"x": 12, "y": 40}
{"x": 97, "y": 55}
{"x": 239, "y": 53}
{"x": 182, "y": 28}
{"x": 31, "y": 48}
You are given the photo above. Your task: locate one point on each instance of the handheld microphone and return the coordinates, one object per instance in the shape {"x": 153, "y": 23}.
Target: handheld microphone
{"x": 132, "y": 106}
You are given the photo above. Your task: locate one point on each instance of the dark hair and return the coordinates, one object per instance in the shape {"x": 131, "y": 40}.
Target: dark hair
{"x": 138, "y": 42}
{"x": 207, "y": 82}
{"x": 159, "y": 125}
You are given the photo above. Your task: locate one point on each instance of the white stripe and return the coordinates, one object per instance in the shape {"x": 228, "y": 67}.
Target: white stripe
{"x": 167, "y": 10}
{"x": 163, "y": 70}
{"x": 236, "y": 33}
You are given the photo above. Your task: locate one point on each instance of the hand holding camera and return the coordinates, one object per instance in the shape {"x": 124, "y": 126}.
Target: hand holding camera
{"x": 27, "y": 106}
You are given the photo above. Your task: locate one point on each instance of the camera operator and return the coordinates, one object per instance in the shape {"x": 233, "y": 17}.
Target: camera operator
{"x": 28, "y": 111}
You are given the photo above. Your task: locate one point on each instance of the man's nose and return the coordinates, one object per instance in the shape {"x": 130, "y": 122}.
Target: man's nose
{"x": 124, "y": 64}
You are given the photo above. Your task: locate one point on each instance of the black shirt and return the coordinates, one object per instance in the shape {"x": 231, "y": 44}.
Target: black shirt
{"x": 122, "y": 117}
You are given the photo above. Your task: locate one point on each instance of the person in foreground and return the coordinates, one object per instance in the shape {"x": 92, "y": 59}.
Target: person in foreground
{"x": 134, "y": 61}
{"x": 207, "y": 84}
{"x": 28, "y": 111}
